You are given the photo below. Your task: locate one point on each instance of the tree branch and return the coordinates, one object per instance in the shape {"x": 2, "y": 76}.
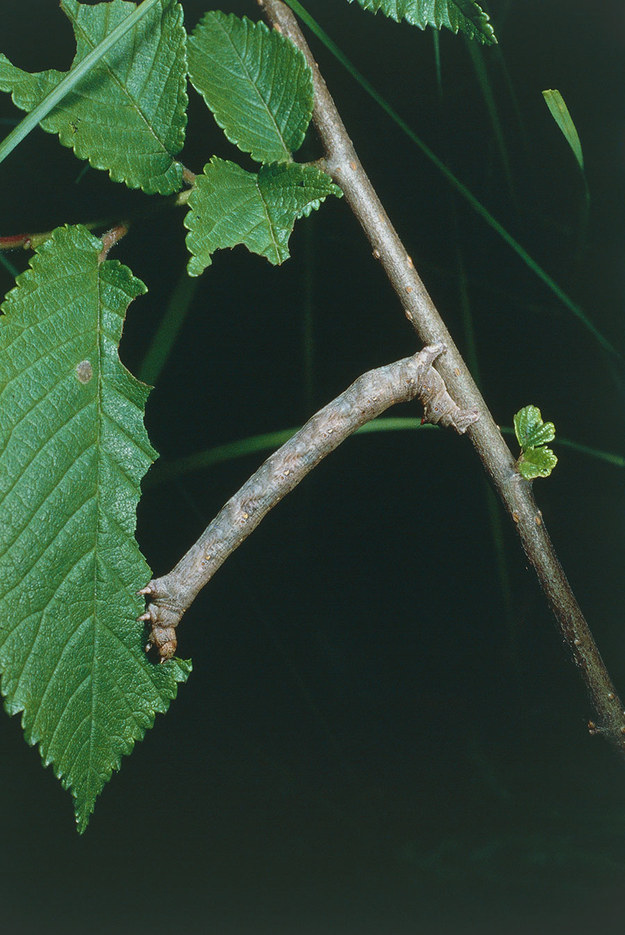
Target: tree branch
{"x": 342, "y": 163}
{"x": 365, "y": 399}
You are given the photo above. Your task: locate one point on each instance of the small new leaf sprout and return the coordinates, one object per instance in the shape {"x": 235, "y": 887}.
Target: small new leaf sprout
{"x": 560, "y": 113}
{"x": 535, "y": 460}
{"x": 530, "y": 429}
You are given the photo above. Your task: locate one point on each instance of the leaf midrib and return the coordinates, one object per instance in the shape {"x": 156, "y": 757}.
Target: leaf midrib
{"x": 104, "y": 64}
{"x": 99, "y": 416}
{"x": 254, "y": 85}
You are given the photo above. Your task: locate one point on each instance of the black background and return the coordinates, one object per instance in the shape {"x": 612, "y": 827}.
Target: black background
{"x": 371, "y": 740}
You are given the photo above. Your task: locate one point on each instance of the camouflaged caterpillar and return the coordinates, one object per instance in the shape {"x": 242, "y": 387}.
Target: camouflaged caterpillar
{"x": 373, "y": 392}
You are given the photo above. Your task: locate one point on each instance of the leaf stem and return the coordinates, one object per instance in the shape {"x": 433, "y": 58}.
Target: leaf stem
{"x": 110, "y": 238}
{"x": 152, "y": 208}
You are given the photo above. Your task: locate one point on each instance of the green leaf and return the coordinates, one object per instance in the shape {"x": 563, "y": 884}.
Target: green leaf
{"x": 463, "y": 15}
{"x": 536, "y": 462}
{"x": 73, "y": 450}
{"x": 530, "y": 429}
{"x": 229, "y": 206}
{"x": 560, "y": 113}
{"x": 128, "y": 114}
{"x": 532, "y": 433}
{"x": 257, "y": 84}
{"x": 71, "y": 79}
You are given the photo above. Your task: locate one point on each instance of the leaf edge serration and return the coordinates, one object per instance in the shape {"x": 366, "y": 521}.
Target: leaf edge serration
{"x": 205, "y": 188}
{"x": 183, "y": 668}
{"x": 176, "y": 168}
{"x": 486, "y": 35}
{"x": 280, "y": 42}
{"x": 164, "y": 680}
{"x": 169, "y": 181}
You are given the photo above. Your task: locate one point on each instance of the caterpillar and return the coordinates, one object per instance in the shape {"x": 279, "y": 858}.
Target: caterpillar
{"x": 373, "y": 392}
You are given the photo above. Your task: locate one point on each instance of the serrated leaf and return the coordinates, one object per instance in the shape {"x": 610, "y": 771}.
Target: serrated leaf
{"x": 530, "y": 429}
{"x": 458, "y": 15}
{"x": 128, "y": 115}
{"x": 229, "y": 206}
{"x": 257, "y": 84}
{"x": 560, "y": 113}
{"x": 73, "y": 450}
{"x": 536, "y": 462}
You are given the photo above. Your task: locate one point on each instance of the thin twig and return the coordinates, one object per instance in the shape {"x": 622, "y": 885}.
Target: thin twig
{"x": 365, "y": 399}
{"x": 32, "y": 241}
{"x": 112, "y": 237}
{"x": 344, "y": 166}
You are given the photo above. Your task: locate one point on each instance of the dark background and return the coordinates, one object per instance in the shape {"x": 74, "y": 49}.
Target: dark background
{"x": 376, "y": 737}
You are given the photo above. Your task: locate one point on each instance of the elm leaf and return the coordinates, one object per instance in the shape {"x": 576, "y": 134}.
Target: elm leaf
{"x": 530, "y": 429}
{"x": 73, "y": 451}
{"x": 536, "y": 462}
{"x": 230, "y": 206}
{"x": 257, "y": 84}
{"x": 465, "y": 16}
{"x": 128, "y": 114}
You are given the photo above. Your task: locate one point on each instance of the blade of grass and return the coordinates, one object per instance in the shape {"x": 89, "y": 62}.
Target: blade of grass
{"x": 479, "y": 66}
{"x": 165, "y": 471}
{"x": 231, "y": 451}
{"x": 460, "y": 274}
{"x": 495, "y": 516}
{"x": 516, "y": 107}
{"x": 8, "y": 265}
{"x": 468, "y": 326}
{"x": 436, "y": 40}
{"x": 70, "y": 81}
{"x": 163, "y": 341}
{"x": 82, "y": 174}
{"x": 607, "y": 456}
{"x": 499, "y": 17}
{"x": 562, "y": 117}
{"x": 307, "y": 301}
{"x": 561, "y": 114}
{"x": 477, "y": 206}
